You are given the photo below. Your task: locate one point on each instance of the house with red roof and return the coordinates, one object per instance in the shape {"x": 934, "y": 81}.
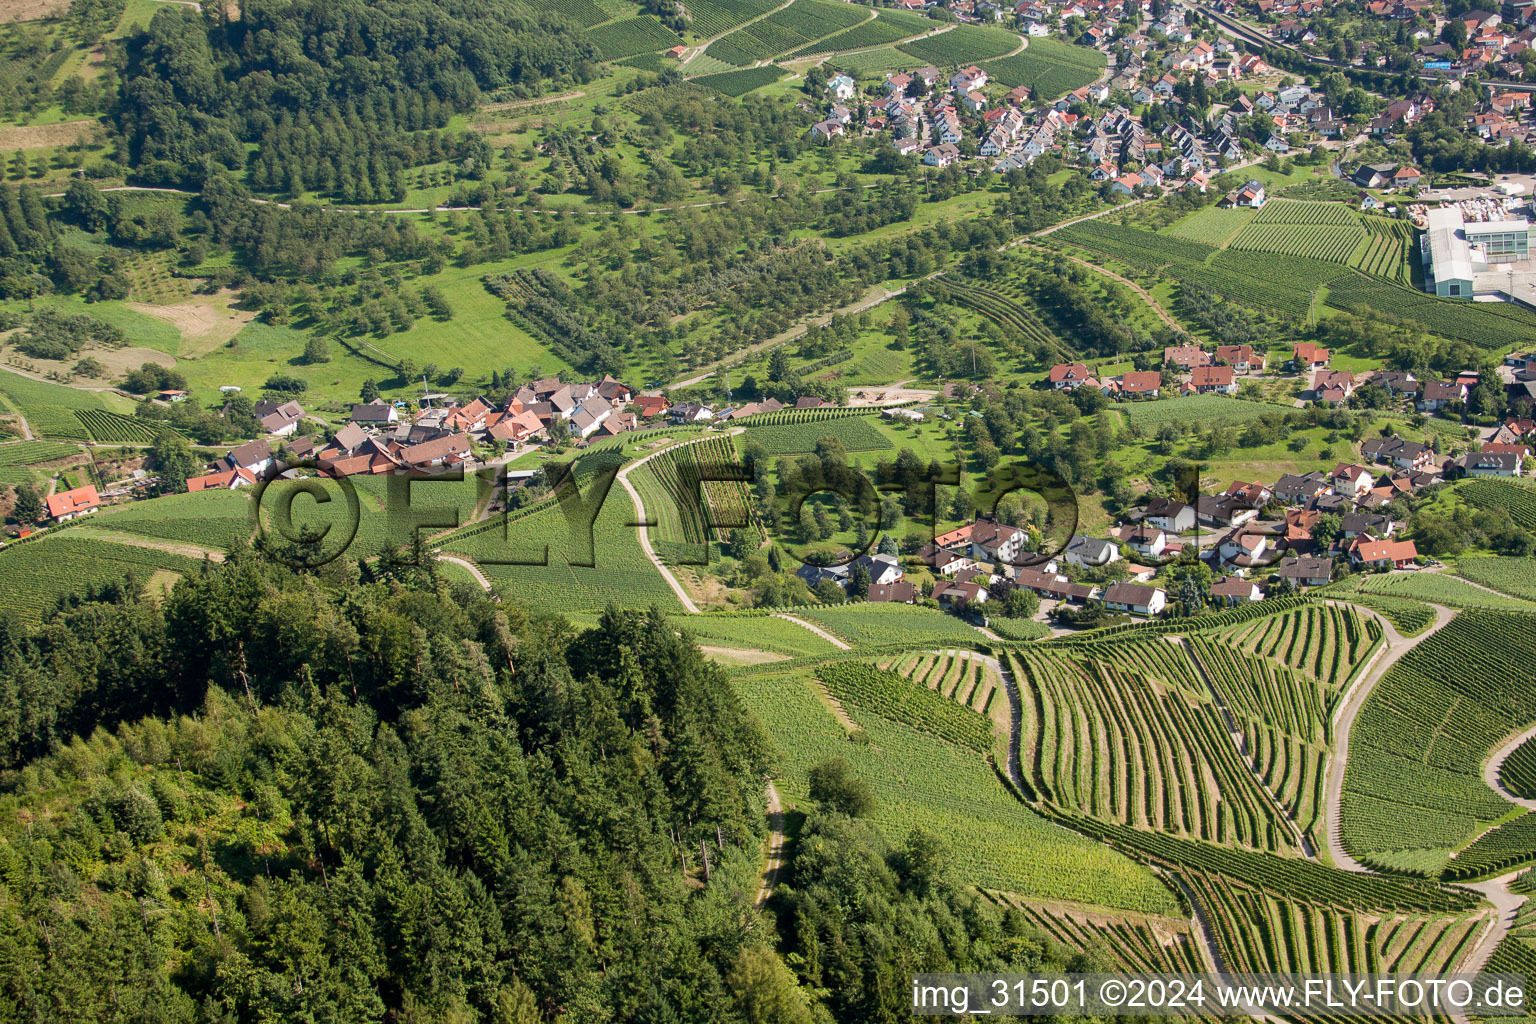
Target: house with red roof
{"x": 65, "y": 505}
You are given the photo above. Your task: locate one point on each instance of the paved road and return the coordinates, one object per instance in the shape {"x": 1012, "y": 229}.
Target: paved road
{"x": 1496, "y": 761}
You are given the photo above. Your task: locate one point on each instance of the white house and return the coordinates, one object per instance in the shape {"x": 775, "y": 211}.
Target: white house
{"x": 1090, "y": 551}
{"x": 842, "y": 87}
{"x": 1135, "y": 598}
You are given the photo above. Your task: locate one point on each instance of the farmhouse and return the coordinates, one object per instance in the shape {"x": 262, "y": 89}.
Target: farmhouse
{"x": 1066, "y": 376}
{"x": 65, "y": 505}
{"x": 1387, "y": 553}
{"x": 1213, "y": 380}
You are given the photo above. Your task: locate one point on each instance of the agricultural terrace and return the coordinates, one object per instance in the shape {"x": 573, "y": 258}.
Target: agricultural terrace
{"x": 1497, "y": 852}
{"x": 1436, "y": 588}
{"x": 963, "y": 677}
{"x": 871, "y": 626}
{"x": 1516, "y": 497}
{"x": 797, "y": 432}
{"x": 1408, "y": 617}
{"x": 714, "y": 17}
{"x": 1213, "y": 226}
{"x": 1413, "y": 787}
{"x": 965, "y": 44}
{"x": 629, "y": 36}
{"x": 1517, "y": 952}
{"x": 1518, "y": 772}
{"x": 949, "y": 787}
{"x": 1161, "y": 945}
{"x": 690, "y": 511}
{"x": 739, "y": 83}
{"x": 755, "y": 630}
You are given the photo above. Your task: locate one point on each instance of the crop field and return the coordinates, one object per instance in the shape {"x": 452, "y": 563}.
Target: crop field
{"x": 1513, "y": 576}
{"x": 583, "y": 12}
{"x": 999, "y": 308}
{"x": 754, "y": 631}
{"x": 1485, "y": 324}
{"x": 30, "y": 453}
{"x": 1389, "y": 246}
{"x": 1212, "y": 226}
{"x": 1282, "y": 283}
{"x": 889, "y": 625}
{"x": 796, "y": 437}
{"x": 1263, "y": 931}
{"x": 71, "y": 563}
{"x": 1510, "y": 846}
{"x": 739, "y": 83}
{"x": 1157, "y": 945}
{"x": 1516, "y": 497}
{"x": 211, "y": 519}
{"x": 872, "y": 62}
{"x": 996, "y": 842}
{"x": 1438, "y": 588}
{"x": 965, "y": 44}
{"x": 1132, "y": 733}
{"x": 1050, "y": 67}
{"x": 712, "y": 17}
{"x": 887, "y": 26}
{"x": 958, "y": 676}
{"x": 1518, "y": 772}
{"x": 1137, "y": 247}
{"x": 49, "y": 408}
{"x": 1516, "y": 954}
{"x": 1297, "y": 211}
{"x": 1209, "y": 410}
{"x": 629, "y": 36}
{"x": 113, "y": 428}
{"x": 1413, "y": 787}
{"x": 1333, "y": 243}
{"x": 800, "y": 23}
{"x": 689, "y": 509}
{"x": 1408, "y": 617}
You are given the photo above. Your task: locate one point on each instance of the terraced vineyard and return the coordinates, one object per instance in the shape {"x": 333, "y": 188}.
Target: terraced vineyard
{"x": 739, "y": 83}
{"x": 689, "y": 510}
{"x": 1518, "y": 772}
{"x": 712, "y": 17}
{"x": 1333, "y": 243}
{"x": 1437, "y": 588}
{"x": 1388, "y": 247}
{"x": 1300, "y": 211}
{"x": 30, "y": 453}
{"x": 1160, "y": 945}
{"x": 1510, "y": 846}
{"x": 960, "y": 676}
{"x": 1516, "y": 954}
{"x": 997, "y": 307}
{"x": 629, "y": 36}
{"x": 583, "y": 12}
{"x": 1413, "y": 787}
{"x": 1146, "y": 250}
{"x": 1408, "y": 617}
{"x": 893, "y": 696}
{"x": 800, "y": 23}
{"x": 111, "y": 428}
{"x": 756, "y": 631}
{"x": 867, "y": 626}
{"x": 1323, "y": 641}
{"x": 1135, "y": 736}
{"x": 865, "y": 63}
{"x": 1496, "y": 325}
{"x": 887, "y": 26}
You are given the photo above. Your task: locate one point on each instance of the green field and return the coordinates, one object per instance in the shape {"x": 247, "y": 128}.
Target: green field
{"x": 71, "y": 563}
{"x": 886, "y": 27}
{"x": 629, "y": 36}
{"x": 963, "y": 45}
{"x": 1212, "y": 225}
{"x": 792, "y": 433}
{"x": 1050, "y": 67}
{"x": 739, "y": 83}
{"x": 802, "y": 22}
{"x": 1204, "y": 409}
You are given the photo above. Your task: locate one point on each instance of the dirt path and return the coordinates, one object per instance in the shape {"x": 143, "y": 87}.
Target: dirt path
{"x": 644, "y": 532}
{"x": 775, "y": 859}
{"x": 1156, "y": 306}
{"x": 170, "y": 547}
{"x": 1349, "y": 707}
{"x": 1496, "y": 761}
{"x": 537, "y": 101}
{"x": 828, "y": 637}
{"x": 471, "y": 567}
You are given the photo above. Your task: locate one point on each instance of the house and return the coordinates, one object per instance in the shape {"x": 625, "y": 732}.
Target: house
{"x": 1382, "y": 553}
{"x": 842, "y": 87}
{"x": 1066, "y": 376}
{"x": 1250, "y": 195}
{"x": 1148, "y": 541}
{"x": 1234, "y": 591}
{"x": 438, "y": 452}
{"x": 942, "y": 155}
{"x": 883, "y": 569}
{"x": 1089, "y": 551}
{"x": 649, "y": 406}
{"x": 1141, "y": 382}
{"x": 1298, "y": 489}
{"x": 517, "y": 429}
{"x": 1214, "y": 380}
{"x": 374, "y": 414}
{"x": 1306, "y": 571}
{"x": 1486, "y": 463}
{"x": 1373, "y": 175}
{"x": 1135, "y": 598}
{"x": 1170, "y": 515}
{"x": 172, "y": 395}
{"x": 1406, "y": 455}
{"x": 1250, "y": 495}
{"x": 1244, "y": 547}
{"x": 1439, "y": 394}
{"x": 689, "y": 412}
{"x": 65, "y": 505}
{"x": 828, "y": 129}
{"x": 960, "y": 595}
{"x": 1241, "y": 358}
{"x": 1357, "y": 523}
{"x": 1351, "y": 480}
{"x": 996, "y": 542}
{"x": 814, "y": 574}
{"x": 1309, "y": 356}
{"x": 281, "y": 419}
{"x": 1333, "y": 386}
{"x": 1223, "y": 510}
{"x": 225, "y": 481}
{"x": 900, "y": 592}
{"x": 255, "y": 456}
{"x": 1126, "y": 185}
{"x": 1186, "y": 357}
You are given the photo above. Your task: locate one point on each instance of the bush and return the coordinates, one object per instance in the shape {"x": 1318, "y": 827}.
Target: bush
{"x": 834, "y": 785}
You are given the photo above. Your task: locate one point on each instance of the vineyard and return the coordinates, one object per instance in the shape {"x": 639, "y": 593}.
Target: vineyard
{"x": 1158, "y": 945}
{"x": 890, "y": 625}
{"x": 893, "y": 696}
{"x": 952, "y": 790}
{"x": 796, "y": 436}
{"x": 960, "y": 676}
{"x": 1518, "y": 772}
{"x": 887, "y": 27}
{"x": 30, "y": 453}
{"x": 1386, "y": 254}
{"x": 1137, "y": 735}
{"x": 1297, "y": 211}
{"x": 1320, "y": 640}
{"x": 688, "y": 509}
{"x": 1485, "y": 324}
{"x": 1050, "y": 67}
{"x": 112, "y": 428}
{"x": 1212, "y": 225}
{"x": 584, "y": 13}
{"x": 766, "y": 632}
{"x": 1329, "y": 242}
{"x": 1516, "y": 497}
{"x": 1408, "y": 617}
{"x": 1209, "y": 410}
{"x": 712, "y": 17}
{"x": 1145, "y": 250}
{"x": 1517, "y": 953}
{"x": 72, "y": 563}
{"x": 802, "y": 22}
{"x": 1513, "y": 576}
{"x": 1437, "y": 588}
{"x": 739, "y": 83}
{"x": 1510, "y": 846}
{"x": 1002, "y": 310}
{"x": 1413, "y": 787}
{"x": 965, "y": 44}
{"x": 873, "y": 62}
{"x": 49, "y": 408}
{"x": 629, "y": 36}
